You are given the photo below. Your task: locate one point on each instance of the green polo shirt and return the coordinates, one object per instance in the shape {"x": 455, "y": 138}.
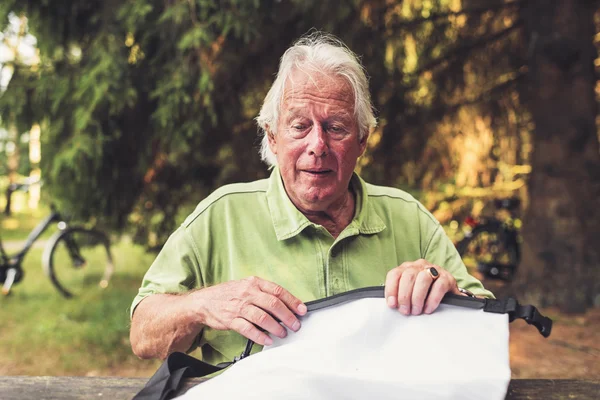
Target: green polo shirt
{"x": 253, "y": 228}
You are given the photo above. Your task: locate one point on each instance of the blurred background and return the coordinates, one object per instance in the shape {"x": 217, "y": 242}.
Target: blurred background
{"x": 131, "y": 112}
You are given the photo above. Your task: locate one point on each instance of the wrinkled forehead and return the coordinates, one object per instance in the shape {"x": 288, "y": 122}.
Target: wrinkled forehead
{"x": 317, "y": 86}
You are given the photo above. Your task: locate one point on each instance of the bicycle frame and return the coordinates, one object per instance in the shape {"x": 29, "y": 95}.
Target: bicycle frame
{"x": 16, "y": 259}
{"x": 509, "y": 234}
{"x": 506, "y": 236}
{"x": 11, "y": 270}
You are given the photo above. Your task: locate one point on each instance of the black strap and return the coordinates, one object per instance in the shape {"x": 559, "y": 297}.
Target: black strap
{"x": 529, "y": 313}
{"x": 165, "y": 382}
{"x": 379, "y": 292}
{"x": 508, "y": 306}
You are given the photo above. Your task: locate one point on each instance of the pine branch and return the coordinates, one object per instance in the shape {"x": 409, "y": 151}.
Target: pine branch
{"x": 467, "y": 11}
{"x": 487, "y": 94}
{"x": 465, "y": 49}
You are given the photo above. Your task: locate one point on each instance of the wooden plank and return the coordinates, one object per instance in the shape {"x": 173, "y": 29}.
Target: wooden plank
{"x": 78, "y": 388}
{"x": 553, "y": 389}
{"x": 68, "y": 387}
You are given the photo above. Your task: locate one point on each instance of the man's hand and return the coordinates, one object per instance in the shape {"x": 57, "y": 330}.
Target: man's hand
{"x": 412, "y": 288}
{"x": 247, "y": 305}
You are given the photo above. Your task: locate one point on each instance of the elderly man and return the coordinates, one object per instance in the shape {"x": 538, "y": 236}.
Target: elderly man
{"x": 250, "y": 254}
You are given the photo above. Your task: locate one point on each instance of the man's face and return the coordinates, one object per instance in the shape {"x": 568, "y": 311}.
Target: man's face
{"x": 317, "y": 143}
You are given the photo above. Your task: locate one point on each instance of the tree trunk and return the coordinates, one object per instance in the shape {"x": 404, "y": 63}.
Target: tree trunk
{"x": 12, "y": 165}
{"x": 561, "y": 253}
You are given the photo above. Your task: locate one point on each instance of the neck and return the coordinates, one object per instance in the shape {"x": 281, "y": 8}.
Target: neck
{"x": 336, "y": 217}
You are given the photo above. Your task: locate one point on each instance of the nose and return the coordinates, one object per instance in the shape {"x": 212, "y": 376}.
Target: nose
{"x": 317, "y": 142}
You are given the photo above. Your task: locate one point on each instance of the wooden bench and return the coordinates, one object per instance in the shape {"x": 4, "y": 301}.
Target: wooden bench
{"x": 71, "y": 388}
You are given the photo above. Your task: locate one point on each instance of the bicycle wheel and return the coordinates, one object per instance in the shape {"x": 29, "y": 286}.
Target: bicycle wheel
{"x": 492, "y": 250}
{"x": 77, "y": 259}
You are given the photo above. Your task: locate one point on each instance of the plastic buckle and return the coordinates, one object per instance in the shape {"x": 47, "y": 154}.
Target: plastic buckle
{"x": 528, "y": 313}
{"x": 533, "y": 317}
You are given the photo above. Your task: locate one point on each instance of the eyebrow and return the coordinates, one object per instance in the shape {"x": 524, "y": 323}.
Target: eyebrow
{"x": 297, "y": 112}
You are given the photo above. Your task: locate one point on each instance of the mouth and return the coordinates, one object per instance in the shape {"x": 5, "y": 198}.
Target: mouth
{"x": 318, "y": 171}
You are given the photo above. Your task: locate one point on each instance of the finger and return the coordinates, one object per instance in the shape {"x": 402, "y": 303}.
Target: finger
{"x": 421, "y": 288}
{"x": 456, "y": 291}
{"x": 422, "y": 263}
{"x": 291, "y": 302}
{"x": 251, "y": 332}
{"x": 405, "y": 290}
{"x": 392, "y": 280}
{"x": 263, "y": 320}
{"x": 274, "y": 306}
{"x": 444, "y": 284}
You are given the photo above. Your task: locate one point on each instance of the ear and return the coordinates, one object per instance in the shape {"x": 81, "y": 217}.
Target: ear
{"x": 363, "y": 144}
{"x": 272, "y": 139}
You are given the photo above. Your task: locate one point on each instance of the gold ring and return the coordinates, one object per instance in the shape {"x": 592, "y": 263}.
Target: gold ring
{"x": 433, "y": 273}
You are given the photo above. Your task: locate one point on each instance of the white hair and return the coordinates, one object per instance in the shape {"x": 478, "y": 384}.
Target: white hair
{"x": 320, "y": 52}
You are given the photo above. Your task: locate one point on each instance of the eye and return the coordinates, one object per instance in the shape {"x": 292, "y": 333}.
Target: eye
{"x": 298, "y": 129}
{"x": 336, "y": 130}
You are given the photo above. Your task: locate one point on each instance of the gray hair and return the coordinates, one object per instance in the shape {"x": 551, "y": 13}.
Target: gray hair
{"x": 320, "y": 52}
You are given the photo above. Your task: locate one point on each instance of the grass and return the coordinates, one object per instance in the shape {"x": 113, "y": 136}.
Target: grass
{"x": 42, "y": 333}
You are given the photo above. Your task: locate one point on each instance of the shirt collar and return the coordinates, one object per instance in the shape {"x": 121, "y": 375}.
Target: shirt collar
{"x": 288, "y": 221}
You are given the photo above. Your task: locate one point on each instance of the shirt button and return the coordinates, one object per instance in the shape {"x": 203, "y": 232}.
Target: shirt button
{"x": 334, "y": 253}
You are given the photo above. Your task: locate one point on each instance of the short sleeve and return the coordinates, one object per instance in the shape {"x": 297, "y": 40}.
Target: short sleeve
{"x": 175, "y": 269}
{"x": 440, "y": 251}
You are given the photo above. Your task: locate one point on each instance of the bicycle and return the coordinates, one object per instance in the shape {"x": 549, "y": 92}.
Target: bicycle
{"x": 493, "y": 244}
{"x": 73, "y": 257}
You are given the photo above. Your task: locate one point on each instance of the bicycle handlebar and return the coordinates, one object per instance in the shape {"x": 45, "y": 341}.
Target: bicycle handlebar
{"x": 13, "y": 187}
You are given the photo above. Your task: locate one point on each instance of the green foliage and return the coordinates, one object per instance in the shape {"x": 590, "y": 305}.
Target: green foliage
{"x": 136, "y": 104}
{"x": 147, "y": 105}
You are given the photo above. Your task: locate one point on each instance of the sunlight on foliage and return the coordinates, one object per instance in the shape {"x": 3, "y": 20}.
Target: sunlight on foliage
{"x": 146, "y": 107}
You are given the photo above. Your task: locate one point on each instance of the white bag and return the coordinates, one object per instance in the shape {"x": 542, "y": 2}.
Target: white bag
{"x": 364, "y": 350}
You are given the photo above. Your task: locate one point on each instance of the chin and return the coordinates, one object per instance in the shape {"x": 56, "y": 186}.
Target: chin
{"x": 317, "y": 201}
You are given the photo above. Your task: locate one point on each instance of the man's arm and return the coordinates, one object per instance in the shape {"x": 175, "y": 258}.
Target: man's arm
{"x": 163, "y": 317}
{"x": 163, "y": 324}
{"x": 253, "y": 307}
